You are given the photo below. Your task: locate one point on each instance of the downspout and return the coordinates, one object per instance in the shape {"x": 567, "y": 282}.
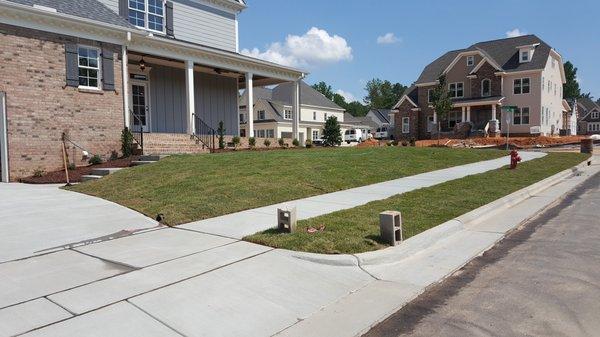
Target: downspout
{"x": 4, "y": 140}
{"x": 125, "y": 75}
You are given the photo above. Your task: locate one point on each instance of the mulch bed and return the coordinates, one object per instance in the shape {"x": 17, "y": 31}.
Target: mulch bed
{"x": 58, "y": 177}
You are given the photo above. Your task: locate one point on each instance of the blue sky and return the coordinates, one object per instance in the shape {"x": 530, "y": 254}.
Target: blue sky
{"x": 345, "y": 52}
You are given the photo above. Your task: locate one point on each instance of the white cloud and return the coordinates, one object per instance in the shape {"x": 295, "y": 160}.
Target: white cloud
{"x": 314, "y": 48}
{"x": 515, "y": 33}
{"x": 388, "y": 38}
{"x": 347, "y": 96}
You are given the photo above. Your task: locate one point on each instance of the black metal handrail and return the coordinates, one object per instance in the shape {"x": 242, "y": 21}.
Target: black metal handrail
{"x": 137, "y": 118}
{"x": 205, "y": 134}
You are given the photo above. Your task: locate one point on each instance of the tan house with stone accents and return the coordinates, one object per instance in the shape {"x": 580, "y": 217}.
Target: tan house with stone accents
{"x": 522, "y": 72}
{"x": 169, "y": 69}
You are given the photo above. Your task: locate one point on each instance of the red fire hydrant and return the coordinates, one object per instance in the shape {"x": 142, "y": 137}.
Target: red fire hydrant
{"x": 514, "y": 159}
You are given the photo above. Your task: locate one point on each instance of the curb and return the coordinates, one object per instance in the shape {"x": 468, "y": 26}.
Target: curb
{"x": 435, "y": 234}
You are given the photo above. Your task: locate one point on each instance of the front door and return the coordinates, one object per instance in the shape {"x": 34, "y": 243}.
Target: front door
{"x": 139, "y": 106}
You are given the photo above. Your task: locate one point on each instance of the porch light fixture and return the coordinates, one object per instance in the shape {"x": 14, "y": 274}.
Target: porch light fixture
{"x": 142, "y": 64}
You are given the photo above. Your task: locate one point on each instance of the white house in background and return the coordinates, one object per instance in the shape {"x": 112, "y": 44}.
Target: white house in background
{"x": 273, "y": 113}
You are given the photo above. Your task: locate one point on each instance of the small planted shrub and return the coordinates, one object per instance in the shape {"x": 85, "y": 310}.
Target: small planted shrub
{"x": 404, "y": 143}
{"x": 38, "y": 172}
{"x": 114, "y": 155}
{"x": 72, "y": 167}
{"x": 389, "y": 143}
{"x": 221, "y": 133}
{"x": 126, "y": 142}
{"x": 267, "y": 143}
{"x": 281, "y": 142}
{"x": 95, "y": 160}
{"x": 308, "y": 143}
{"x": 413, "y": 141}
{"x": 252, "y": 142}
{"x": 236, "y": 142}
{"x": 295, "y": 142}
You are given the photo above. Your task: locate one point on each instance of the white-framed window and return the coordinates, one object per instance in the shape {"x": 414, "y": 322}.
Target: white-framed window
{"x": 315, "y": 134}
{"x": 595, "y": 114}
{"x": 242, "y": 118}
{"x": 147, "y": 14}
{"x": 261, "y": 114}
{"x": 457, "y": 90}
{"x": 287, "y": 114}
{"x": 260, "y": 133}
{"x": 521, "y": 116}
{"x": 470, "y": 61}
{"x": 429, "y": 95}
{"x": 89, "y": 67}
{"x": 521, "y": 86}
{"x": 593, "y": 127}
{"x": 269, "y": 133}
{"x": 314, "y": 115}
{"x": 525, "y": 55}
{"x": 405, "y": 125}
{"x": 486, "y": 88}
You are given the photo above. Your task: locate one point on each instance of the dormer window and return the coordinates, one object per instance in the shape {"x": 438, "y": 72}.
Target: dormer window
{"x": 470, "y": 61}
{"x": 525, "y": 55}
{"x": 147, "y": 14}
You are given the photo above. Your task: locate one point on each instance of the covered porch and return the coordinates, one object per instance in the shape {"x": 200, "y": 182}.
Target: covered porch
{"x": 190, "y": 90}
{"x": 483, "y": 115}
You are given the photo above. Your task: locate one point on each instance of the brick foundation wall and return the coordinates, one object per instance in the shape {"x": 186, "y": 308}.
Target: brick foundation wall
{"x": 40, "y": 107}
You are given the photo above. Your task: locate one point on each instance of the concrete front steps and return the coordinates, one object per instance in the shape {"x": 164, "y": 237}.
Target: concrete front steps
{"x": 172, "y": 143}
{"x": 148, "y": 159}
{"x": 100, "y": 173}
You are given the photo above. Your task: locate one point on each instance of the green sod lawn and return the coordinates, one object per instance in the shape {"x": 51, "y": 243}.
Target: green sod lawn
{"x": 187, "y": 188}
{"x": 357, "y": 230}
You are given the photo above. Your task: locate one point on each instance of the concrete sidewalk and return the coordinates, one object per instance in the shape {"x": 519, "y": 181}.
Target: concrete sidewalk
{"x": 184, "y": 282}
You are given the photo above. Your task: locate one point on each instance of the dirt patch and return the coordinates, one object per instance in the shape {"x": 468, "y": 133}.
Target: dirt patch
{"x": 58, "y": 177}
{"x": 520, "y": 142}
{"x": 372, "y": 143}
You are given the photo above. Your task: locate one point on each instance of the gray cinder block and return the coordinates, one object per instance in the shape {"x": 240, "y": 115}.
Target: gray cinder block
{"x": 286, "y": 220}
{"x": 390, "y": 226}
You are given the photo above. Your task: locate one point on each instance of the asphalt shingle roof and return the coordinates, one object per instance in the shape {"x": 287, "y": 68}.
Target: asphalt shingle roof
{"x": 88, "y": 9}
{"x": 308, "y": 96}
{"x": 504, "y": 52}
{"x": 382, "y": 115}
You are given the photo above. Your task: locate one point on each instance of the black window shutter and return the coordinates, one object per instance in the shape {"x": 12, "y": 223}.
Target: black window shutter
{"x": 124, "y": 8}
{"x": 72, "y": 65}
{"x": 169, "y": 16}
{"x": 108, "y": 70}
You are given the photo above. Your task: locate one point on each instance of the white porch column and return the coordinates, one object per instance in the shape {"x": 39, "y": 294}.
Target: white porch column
{"x": 493, "y": 112}
{"x": 250, "y": 105}
{"x": 296, "y": 111}
{"x": 189, "y": 95}
{"x": 468, "y": 114}
{"x": 464, "y": 114}
{"x": 125, "y": 75}
{"x": 434, "y": 117}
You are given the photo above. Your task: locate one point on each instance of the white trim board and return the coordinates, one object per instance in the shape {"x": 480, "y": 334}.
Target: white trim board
{"x": 3, "y": 139}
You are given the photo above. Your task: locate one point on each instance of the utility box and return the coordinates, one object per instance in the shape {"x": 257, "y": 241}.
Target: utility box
{"x": 286, "y": 220}
{"x": 390, "y": 226}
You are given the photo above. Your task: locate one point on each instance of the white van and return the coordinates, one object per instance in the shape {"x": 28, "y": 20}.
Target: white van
{"x": 355, "y": 135}
{"x": 382, "y": 133}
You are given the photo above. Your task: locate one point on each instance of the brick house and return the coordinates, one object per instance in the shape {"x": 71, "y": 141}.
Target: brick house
{"x": 89, "y": 68}
{"x": 522, "y": 72}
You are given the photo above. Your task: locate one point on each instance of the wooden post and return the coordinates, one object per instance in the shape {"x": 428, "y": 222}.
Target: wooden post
{"x": 64, "y": 151}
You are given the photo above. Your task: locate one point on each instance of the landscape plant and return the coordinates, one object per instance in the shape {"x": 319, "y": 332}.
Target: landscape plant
{"x": 295, "y": 142}
{"x": 126, "y": 142}
{"x": 267, "y": 143}
{"x": 236, "y": 142}
{"x": 308, "y": 143}
{"x": 281, "y": 142}
{"x": 252, "y": 142}
{"x": 221, "y": 133}
{"x": 95, "y": 160}
{"x": 332, "y": 133}
{"x": 441, "y": 102}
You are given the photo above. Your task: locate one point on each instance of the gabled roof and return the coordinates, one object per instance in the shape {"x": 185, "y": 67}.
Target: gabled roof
{"x": 410, "y": 94}
{"x": 588, "y": 104}
{"x": 382, "y": 115}
{"x": 503, "y": 52}
{"x": 308, "y": 96}
{"x": 88, "y": 9}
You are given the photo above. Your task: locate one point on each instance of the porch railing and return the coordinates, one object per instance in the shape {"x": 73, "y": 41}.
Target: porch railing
{"x": 137, "y": 118}
{"x": 205, "y": 134}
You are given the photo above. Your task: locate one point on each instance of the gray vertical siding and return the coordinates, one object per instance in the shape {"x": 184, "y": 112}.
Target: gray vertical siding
{"x": 204, "y": 25}
{"x": 217, "y": 100}
{"x": 167, "y": 96}
{"x": 215, "y": 97}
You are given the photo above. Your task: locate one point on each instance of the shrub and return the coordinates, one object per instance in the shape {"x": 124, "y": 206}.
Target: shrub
{"x": 267, "y": 142}
{"x": 281, "y": 142}
{"x": 413, "y": 141}
{"x": 404, "y": 143}
{"x": 221, "y": 133}
{"x": 114, "y": 155}
{"x": 308, "y": 143}
{"x": 252, "y": 142}
{"x": 72, "y": 167}
{"x": 295, "y": 142}
{"x": 38, "y": 172}
{"x": 332, "y": 133}
{"x": 95, "y": 160}
{"x": 390, "y": 143}
{"x": 236, "y": 142}
{"x": 126, "y": 142}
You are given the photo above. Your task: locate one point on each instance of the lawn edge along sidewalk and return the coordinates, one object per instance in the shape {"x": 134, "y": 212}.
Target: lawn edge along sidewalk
{"x": 400, "y": 275}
